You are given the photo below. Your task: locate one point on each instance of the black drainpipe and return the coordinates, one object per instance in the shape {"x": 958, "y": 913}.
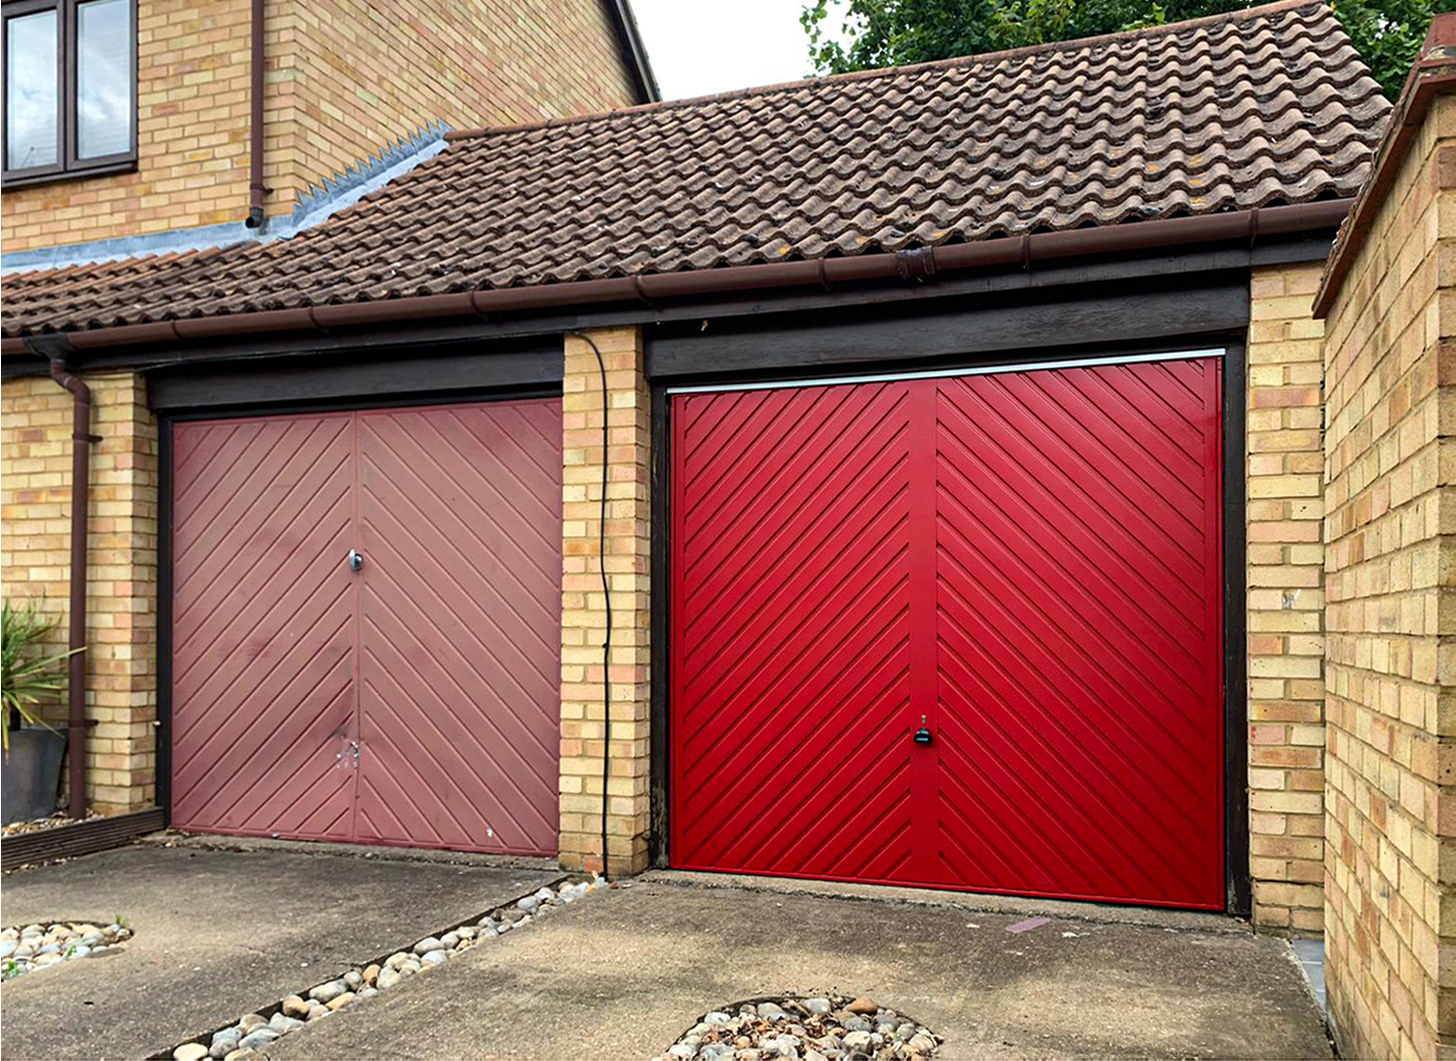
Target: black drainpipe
{"x": 81, "y": 439}
{"x": 257, "y": 189}
{"x": 607, "y": 600}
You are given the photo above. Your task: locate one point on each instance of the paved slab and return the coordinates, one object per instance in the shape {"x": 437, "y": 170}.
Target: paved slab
{"x": 219, "y": 933}
{"x": 621, "y": 974}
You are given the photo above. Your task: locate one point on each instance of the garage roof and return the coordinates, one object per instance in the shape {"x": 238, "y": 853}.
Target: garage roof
{"x": 1266, "y": 106}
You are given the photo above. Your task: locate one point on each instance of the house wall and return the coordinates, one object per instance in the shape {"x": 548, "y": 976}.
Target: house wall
{"x": 344, "y": 78}
{"x": 192, "y": 138}
{"x": 352, "y": 75}
{"x": 583, "y": 613}
{"x": 1285, "y": 507}
{"x": 1390, "y": 567}
{"x": 35, "y": 507}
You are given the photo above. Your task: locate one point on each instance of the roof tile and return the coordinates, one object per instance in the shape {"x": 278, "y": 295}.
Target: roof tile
{"x": 1266, "y": 106}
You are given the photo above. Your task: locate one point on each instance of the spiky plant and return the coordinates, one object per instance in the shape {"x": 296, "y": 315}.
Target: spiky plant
{"x": 27, "y": 677}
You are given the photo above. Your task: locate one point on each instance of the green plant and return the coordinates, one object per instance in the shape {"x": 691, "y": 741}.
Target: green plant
{"x": 27, "y": 677}
{"x": 865, "y": 34}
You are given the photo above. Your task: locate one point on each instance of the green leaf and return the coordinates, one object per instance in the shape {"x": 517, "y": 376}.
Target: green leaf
{"x": 867, "y": 34}
{"x": 28, "y": 678}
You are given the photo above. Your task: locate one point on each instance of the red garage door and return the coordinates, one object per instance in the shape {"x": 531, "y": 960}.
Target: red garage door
{"x": 1023, "y": 568}
{"x": 412, "y": 701}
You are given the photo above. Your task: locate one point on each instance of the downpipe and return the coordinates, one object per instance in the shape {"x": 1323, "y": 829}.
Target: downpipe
{"x": 81, "y": 439}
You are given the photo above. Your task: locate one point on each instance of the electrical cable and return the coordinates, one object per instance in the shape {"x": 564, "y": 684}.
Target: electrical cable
{"x": 607, "y": 597}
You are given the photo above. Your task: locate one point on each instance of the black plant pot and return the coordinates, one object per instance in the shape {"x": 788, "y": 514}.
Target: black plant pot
{"x": 31, "y": 774}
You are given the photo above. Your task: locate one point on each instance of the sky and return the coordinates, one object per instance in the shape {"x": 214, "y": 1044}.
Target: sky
{"x": 698, "y": 47}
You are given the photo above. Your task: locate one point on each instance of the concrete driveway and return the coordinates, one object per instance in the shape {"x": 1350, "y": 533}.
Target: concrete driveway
{"x": 622, "y": 974}
{"x": 220, "y": 933}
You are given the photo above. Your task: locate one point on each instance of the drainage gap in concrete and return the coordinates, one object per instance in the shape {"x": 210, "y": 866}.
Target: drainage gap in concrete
{"x": 252, "y": 1033}
{"x": 30, "y": 948}
{"x": 814, "y": 1029}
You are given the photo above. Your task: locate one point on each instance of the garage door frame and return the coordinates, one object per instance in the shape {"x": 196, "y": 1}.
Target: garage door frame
{"x": 348, "y": 389}
{"x": 687, "y": 371}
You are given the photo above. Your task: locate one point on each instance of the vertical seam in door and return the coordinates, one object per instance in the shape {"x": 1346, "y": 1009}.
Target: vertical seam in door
{"x": 677, "y": 428}
{"x": 358, "y": 540}
{"x": 925, "y": 764}
{"x": 1214, "y": 580}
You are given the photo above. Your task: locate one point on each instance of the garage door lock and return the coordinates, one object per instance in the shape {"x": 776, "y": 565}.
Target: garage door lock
{"x": 922, "y": 735}
{"x": 356, "y": 559}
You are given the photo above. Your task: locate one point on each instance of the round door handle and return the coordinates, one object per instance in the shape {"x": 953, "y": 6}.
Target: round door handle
{"x": 356, "y": 559}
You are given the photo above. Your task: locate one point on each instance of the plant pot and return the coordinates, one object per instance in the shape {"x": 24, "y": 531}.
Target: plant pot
{"x": 31, "y": 774}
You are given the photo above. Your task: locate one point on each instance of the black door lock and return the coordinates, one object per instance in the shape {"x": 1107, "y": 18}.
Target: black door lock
{"x": 922, "y": 735}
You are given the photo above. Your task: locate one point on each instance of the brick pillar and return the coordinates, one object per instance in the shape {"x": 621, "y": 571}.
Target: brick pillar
{"x": 35, "y": 498}
{"x": 1390, "y": 572}
{"x": 1286, "y": 599}
{"x": 583, "y": 615}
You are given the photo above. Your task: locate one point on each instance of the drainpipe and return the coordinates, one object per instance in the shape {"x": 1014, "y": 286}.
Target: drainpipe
{"x": 256, "y": 188}
{"x": 81, "y": 439}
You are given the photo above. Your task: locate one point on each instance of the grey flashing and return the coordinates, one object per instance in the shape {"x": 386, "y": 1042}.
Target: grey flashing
{"x": 366, "y": 171}
{"x": 313, "y": 208}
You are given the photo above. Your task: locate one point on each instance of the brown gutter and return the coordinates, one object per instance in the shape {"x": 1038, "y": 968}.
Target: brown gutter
{"x": 256, "y": 188}
{"x": 915, "y": 264}
{"x": 1433, "y": 75}
{"x": 81, "y": 439}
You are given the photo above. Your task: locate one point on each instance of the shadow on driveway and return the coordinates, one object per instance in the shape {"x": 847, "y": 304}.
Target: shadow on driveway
{"x": 219, "y": 933}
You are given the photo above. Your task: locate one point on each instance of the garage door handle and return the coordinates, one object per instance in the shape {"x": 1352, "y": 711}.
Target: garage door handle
{"x": 356, "y": 559}
{"x": 922, "y": 735}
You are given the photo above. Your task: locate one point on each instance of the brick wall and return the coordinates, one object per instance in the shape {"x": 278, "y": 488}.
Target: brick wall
{"x": 35, "y": 508}
{"x": 344, "y": 78}
{"x": 1390, "y": 567}
{"x": 355, "y": 74}
{"x": 583, "y": 616}
{"x": 192, "y": 133}
{"x": 1285, "y": 600}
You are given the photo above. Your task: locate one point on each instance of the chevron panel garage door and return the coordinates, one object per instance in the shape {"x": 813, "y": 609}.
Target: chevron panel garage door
{"x": 411, "y": 701}
{"x": 959, "y": 631}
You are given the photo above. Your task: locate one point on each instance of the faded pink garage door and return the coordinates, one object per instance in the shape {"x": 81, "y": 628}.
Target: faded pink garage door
{"x": 410, "y": 701}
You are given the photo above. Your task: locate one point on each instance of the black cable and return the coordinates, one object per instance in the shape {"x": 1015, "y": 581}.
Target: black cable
{"x": 607, "y": 596}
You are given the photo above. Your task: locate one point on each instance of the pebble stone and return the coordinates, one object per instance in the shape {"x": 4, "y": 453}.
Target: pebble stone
{"x": 252, "y": 1033}
{"x": 329, "y": 991}
{"x": 832, "y": 1028}
{"x": 256, "y": 1038}
{"x": 224, "y": 1043}
{"x": 39, "y": 946}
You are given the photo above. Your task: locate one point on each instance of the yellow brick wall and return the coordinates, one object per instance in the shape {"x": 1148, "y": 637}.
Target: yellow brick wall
{"x": 35, "y": 543}
{"x": 356, "y": 74}
{"x": 344, "y": 78}
{"x": 583, "y": 617}
{"x": 1390, "y": 564}
{"x": 192, "y": 133}
{"x": 1285, "y": 599}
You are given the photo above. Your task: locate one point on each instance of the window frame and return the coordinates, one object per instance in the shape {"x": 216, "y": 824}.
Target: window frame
{"x": 68, "y": 164}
